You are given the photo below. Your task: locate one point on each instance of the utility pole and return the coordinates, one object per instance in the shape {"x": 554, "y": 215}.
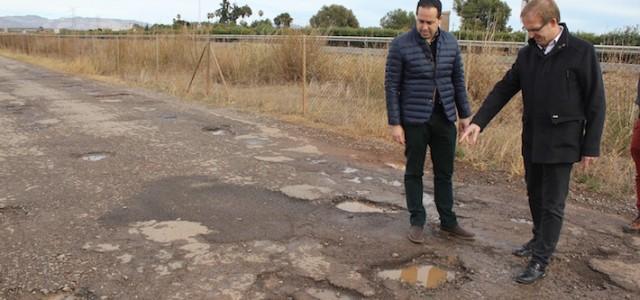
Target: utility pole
{"x": 73, "y": 18}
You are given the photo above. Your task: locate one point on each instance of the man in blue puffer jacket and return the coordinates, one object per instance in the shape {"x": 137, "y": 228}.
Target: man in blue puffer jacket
{"x": 425, "y": 90}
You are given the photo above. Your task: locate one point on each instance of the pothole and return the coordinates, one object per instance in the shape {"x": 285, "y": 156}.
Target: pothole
{"x": 111, "y": 101}
{"x": 521, "y": 221}
{"x": 326, "y": 294}
{"x": 218, "y": 130}
{"x": 16, "y": 108}
{"x": 253, "y": 141}
{"x": 362, "y": 205}
{"x": 305, "y": 191}
{"x": 94, "y": 156}
{"x": 13, "y": 209}
{"x": 274, "y": 159}
{"x": 111, "y": 95}
{"x": 169, "y": 117}
{"x": 425, "y": 276}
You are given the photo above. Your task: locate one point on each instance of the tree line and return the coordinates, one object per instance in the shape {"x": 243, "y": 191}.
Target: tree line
{"x": 478, "y": 17}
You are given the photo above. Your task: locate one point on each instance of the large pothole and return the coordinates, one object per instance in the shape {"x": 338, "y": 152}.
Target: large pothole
{"x": 363, "y": 205}
{"x": 425, "y": 276}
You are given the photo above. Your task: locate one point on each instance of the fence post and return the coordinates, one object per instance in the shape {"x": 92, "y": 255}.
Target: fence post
{"x": 224, "y": 82}
{"x": 157, "y": 57}
{"x": 304, "y": 74}
{"x": 118, "y": 54}
{"x": 208, "y": 76}
{"x": 366, "y": 62}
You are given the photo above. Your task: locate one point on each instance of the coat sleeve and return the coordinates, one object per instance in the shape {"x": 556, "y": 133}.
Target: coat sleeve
{"x": 462, "y": 102}
{"x": 595, "y": 107}
{"x": 502, "y": 92}
{"x": 638, "y": 97}
{"x": 393, "y": 82}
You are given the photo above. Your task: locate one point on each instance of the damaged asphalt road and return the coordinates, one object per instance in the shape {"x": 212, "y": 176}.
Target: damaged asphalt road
{"x": 117, "y": 193}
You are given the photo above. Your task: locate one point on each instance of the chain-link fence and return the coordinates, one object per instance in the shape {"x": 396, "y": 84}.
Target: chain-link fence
{"x": 336, "y": 81}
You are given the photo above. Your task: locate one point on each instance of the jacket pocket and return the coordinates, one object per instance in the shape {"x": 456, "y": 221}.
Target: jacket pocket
{"x": 558, "y": 119}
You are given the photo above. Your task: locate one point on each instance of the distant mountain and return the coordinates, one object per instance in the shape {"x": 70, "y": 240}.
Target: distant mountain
{"x": 77, "y": 23}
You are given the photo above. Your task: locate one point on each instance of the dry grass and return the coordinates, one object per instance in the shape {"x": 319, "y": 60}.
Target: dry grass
{"x": 345, "y": 91}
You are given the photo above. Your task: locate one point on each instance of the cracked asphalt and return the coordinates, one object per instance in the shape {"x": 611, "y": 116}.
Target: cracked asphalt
{"x": 111, "y": 192}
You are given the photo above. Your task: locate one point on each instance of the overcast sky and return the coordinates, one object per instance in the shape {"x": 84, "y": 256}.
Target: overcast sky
{"x": 582, "y": 15}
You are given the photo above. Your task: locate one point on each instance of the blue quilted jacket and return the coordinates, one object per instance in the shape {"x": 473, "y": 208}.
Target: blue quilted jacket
{"x": 411, "y": 79}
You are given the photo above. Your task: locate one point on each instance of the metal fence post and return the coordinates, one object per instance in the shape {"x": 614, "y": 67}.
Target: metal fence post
{"x": 157, "y": 57}
{"x": 118, "y": 54}
{"x": 304, "y": 74}
{"x": 208, "y": 76}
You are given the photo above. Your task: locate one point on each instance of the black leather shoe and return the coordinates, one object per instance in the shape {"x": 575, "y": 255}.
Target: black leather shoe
{"x": 522, "y": 251}
{"x": 532, "y": 273}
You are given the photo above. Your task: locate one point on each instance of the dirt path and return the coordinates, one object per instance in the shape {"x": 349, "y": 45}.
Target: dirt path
{"x": 116, "y": 193}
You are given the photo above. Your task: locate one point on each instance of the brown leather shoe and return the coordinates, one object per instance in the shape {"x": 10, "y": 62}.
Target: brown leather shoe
{"x": 634, "y": 227}
{"x": 416, "y": 234}
{"x": 459, "y": 232}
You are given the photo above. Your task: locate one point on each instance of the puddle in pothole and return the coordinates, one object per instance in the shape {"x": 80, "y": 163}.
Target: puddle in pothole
{"x": 94, "y": 156}
{"x": 426, "y": 276}
{"x": 362, "y": 207}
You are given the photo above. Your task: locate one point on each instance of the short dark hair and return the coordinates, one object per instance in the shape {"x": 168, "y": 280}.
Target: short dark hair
{"x": 430, "y": 3}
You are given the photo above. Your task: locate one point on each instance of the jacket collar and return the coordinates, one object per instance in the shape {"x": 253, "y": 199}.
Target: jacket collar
{"x": 420, "y": 40}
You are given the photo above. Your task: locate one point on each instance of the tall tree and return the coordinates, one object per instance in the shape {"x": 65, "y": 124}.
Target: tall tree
{"x": 230, "y": 13}
{"x": 334, "y": 16}
{"x": 283, "y": 19}
{"x": 240, "y": 12}
{"x": 398, "y": 19}
{"x": 224, "y": 12}
{"x": 483, "y": 14}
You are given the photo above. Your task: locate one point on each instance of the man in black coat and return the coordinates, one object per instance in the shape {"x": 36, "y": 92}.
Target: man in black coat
{"x": 425, "y": 93}
{"x": 563, "y": 118}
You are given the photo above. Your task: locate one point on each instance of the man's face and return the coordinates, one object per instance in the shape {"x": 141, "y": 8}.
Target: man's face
{"x": 427, "y": 22}
{"x": 543, "y": 33}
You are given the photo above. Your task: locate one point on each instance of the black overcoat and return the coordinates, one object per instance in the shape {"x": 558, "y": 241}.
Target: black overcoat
{"x": 563, "y": 100}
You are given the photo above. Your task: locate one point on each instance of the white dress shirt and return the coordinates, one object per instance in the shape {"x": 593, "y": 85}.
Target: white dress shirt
{"x": 553, "y": 43}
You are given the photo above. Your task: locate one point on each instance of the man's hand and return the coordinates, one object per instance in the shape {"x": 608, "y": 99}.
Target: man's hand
{"x": 463, "y": 124}
{"x": 397, "y": 133}
{"x": 587, "y": 161}
{"x": 470, "y": 134}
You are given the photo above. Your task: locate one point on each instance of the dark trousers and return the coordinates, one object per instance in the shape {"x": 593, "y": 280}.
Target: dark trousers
{"x": 439, "y": 134}
{"x": 635, "y": 154}
{"x": 547, "y": 188}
